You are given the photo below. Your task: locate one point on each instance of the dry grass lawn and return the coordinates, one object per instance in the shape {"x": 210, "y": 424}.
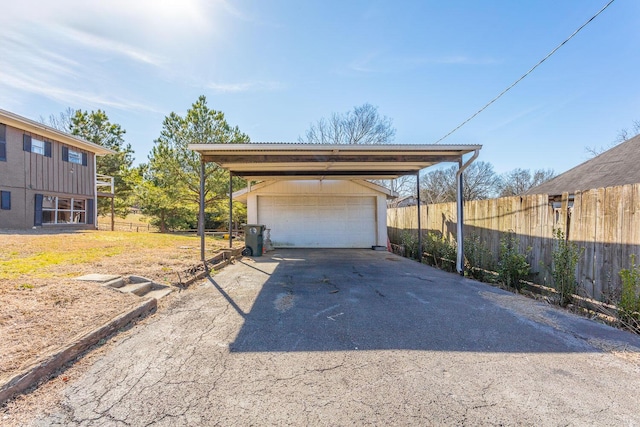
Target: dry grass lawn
{"x": 42, "y": 307}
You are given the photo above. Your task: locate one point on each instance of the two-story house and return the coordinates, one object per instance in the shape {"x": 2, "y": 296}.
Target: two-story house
{"x": 47, "y": 177}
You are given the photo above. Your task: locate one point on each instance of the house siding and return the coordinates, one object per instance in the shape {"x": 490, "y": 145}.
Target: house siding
{"x": 26, "y": 174}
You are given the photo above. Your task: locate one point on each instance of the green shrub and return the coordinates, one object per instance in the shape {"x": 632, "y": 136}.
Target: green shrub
{"x": 565, "y": 257}
{"x": 629, "y": 306}
{"x": 479, "y": 258}
{"x": 441, "y": 253}
{"x": 512, "y": 265}
{"x": 409, "y": 241}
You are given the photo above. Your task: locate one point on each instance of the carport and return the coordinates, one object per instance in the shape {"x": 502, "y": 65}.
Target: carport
{"x": 291, "y": 161}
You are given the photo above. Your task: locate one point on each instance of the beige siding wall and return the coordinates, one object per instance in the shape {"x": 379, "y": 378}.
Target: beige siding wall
{"x": 316, "y": 188}
{"x": 322, "y": 188}
{"x": 25, "y": 174}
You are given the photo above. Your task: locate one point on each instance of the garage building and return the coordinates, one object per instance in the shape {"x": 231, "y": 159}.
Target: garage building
{"x": 319, "y": 213}
{"x": 320, "y": 195}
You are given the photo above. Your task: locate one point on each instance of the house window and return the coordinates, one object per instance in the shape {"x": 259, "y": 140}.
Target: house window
{"x": 62, "y": 210}
{"x": 36, "y": 146}
{"x": 74, "y": 156}
{"x": 3, "y": 142}
{"x": 5, "y": 200}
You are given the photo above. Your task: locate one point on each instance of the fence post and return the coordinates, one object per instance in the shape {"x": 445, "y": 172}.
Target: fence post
{"x": 113, "y": 214}
{"x": 564, "y": 213}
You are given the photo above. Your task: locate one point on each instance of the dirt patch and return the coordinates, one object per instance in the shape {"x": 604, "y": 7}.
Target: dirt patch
{"x": 24, "y": 408}
{"x": 621, "y": 350}
{"x": 39, "y": 319}
{"x": 43, "y": 308}
{"x": 523, "y": 307}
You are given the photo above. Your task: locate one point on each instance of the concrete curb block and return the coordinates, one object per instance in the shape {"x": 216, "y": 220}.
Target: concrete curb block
{"x": 221, "y": 260}
{"x": 50, "y": 363}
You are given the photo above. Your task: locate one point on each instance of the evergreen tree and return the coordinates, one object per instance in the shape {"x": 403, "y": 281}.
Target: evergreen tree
{"x": 95, "y": 127}
{"x": 171, "y": 191}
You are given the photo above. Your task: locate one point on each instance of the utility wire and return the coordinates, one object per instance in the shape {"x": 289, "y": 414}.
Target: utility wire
{"x": 527, "y": 73}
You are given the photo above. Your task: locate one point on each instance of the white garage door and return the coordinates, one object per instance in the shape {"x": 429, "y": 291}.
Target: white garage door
{"x": 319, "y": 222}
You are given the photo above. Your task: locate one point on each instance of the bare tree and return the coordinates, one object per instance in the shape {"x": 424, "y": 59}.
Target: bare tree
{"x": 623, "y": 135}
{"x": 480, "y": 182}
{"x": 519, "y": 180}
{"x": 439, "y": 186}
{"x": 363, "y": 125}
{"x": 62, "y": 121}
{"x": 403, "y": 186}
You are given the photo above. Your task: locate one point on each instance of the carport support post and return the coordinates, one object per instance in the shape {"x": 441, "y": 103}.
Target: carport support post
{"x": 460, "y": 221}
{"x": 419, "y": 220}
{"x": 460, "y": 203}
{"x": 201, "y": 213}
{"x": 230, "y": 210}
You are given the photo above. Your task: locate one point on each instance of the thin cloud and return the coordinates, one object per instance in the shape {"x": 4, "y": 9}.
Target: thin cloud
{"x": 244, "y": 87}
{"x": 515, "y": 117}
{"x": 27, "y": 66}
{"x": 376, "y": 62}
{"x": 37, "y": 86}
{"x": 364, "y": 64}
{"x": 233, "y": 11}
{"x": 24, "y": 56}
{"x": 461, "y": 59}
{"x": 102, "y": 43}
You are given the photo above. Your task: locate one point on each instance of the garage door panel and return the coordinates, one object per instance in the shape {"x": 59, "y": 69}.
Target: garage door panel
{"x": 313, "y": 221}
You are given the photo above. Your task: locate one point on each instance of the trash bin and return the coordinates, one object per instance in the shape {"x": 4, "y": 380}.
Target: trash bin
{"x": 253, "y": 239}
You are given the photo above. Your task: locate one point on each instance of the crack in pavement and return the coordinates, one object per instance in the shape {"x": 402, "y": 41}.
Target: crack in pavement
{"x": 179, "y": 367}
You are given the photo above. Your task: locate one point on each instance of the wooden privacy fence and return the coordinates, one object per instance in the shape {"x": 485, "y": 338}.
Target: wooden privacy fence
{"x": 604, "y": 223}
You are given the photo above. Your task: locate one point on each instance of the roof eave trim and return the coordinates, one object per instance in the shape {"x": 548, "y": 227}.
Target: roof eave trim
{"x": 331, "y": 147}
{"x": 29, "y": 125}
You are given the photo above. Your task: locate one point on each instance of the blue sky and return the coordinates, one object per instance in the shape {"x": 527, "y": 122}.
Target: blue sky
{"x": 274, "y": 67}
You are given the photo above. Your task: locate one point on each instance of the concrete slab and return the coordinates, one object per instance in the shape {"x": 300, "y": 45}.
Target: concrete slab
{"x": 340, "y": 337}
{"x": 139, "y": 279}
{"x": 115, "y": 283}
{"x": 137, "y": 288}
{"x": 159, "y": 293}
{"x": 96, "y": 277}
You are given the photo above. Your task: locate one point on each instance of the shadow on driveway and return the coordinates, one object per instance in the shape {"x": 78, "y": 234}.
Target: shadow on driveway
{"x": 336, "y": 300}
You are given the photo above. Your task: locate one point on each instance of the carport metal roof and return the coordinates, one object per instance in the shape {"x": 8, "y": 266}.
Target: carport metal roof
{"x": 261, "y": 161}
{"x": 269, "y": 161}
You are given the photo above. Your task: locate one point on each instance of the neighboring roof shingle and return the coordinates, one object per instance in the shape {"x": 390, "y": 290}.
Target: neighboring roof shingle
{"x": 619, "y": 165}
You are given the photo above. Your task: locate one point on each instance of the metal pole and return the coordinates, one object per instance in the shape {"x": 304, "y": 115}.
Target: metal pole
{"x": 113, "y": 212}
{"x": 230, "y": 210}
{"x": 460, "y": 203}
{"x": 460, "y": 221}
{"x": 419, "y": 221}
{"x": 201, "y": 216}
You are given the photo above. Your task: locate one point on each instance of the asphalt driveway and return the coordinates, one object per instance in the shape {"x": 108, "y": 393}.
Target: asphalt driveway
{"x": 344, "y": 337}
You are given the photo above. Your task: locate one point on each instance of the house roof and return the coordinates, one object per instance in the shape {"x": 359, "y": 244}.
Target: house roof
{"x": 263, "y": 161}
{"x": 616, "y": 166}
{"x": 29, "y": 125}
